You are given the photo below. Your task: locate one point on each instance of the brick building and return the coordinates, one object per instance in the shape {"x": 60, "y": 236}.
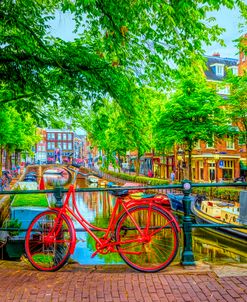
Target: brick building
{"x": 59, "y": 145}
{"x": 221, "y": 159}
{"x": 40, "y": 148}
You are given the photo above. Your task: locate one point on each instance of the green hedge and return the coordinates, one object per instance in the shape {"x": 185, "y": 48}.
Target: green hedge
{"x": 230, "y": 194}
{"x": 137, "y": 178}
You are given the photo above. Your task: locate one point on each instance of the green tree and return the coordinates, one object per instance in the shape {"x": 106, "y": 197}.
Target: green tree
{"x": 18, "y": 133}
{"x": 237, "y": 105}
{"x": 5, "y": 133}
{"x": 119, "y": 44}
{"x": 193, "y": 113}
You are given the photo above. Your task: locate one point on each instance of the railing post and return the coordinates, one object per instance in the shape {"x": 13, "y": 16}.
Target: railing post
{"x": 187, "y": 255}
{"x": 58, "y": 195}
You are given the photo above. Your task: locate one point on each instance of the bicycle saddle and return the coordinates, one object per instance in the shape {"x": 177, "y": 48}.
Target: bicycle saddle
{"x": 119, "y": 193}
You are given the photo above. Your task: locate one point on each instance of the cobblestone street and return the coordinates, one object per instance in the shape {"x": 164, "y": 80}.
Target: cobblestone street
{"x": 20, "y": 282}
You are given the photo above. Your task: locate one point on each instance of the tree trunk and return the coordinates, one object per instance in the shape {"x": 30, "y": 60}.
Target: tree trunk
{"x": 8, "y": 160}
{"x": 138, "y": 165}
{"x": 1, "y": 161}
{"x": 189, "y": 163}
{"x": 119, "y": 168}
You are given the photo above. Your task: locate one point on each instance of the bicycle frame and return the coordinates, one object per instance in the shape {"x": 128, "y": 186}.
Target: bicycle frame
{"x": 106, "y": 240}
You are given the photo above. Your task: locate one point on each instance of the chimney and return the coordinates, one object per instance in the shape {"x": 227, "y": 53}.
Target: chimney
{"x": 216, "y": 54}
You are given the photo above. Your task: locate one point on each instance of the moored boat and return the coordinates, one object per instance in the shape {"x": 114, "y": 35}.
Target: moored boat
{"x": 176, "y": 201}
{"x": 220, "y": 212}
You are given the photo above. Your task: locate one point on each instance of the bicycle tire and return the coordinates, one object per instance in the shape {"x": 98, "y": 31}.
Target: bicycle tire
{"x": 159, "y": 250}
{"x": 48, "y": 253}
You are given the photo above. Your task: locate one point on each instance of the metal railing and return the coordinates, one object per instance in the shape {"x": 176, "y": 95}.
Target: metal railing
{"x": 187, "y": 224}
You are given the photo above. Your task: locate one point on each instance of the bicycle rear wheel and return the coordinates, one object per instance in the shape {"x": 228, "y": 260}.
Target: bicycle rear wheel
{"x": 48, "y": 241}
{"x": 151, "y": 248}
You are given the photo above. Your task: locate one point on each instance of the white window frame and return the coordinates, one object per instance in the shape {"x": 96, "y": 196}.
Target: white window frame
{"x": 230, "y": 142}
{"x": 219, "y": 69}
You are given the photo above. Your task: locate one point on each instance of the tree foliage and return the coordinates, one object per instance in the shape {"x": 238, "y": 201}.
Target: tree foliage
{"x": 119, "y": 44}
{"x": 193, "y": 113}
{"x": 237, "y": 105}
{"x": 115, "y": 133}
{"x": 17, "y": 133}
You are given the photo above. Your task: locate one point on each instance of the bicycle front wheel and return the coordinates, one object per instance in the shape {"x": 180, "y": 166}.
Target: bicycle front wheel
{"x": 48, "y": 241}
{"x": 147, "y": 238}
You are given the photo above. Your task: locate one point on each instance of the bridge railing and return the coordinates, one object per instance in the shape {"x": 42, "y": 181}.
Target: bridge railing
{"x": 187, "y": 225}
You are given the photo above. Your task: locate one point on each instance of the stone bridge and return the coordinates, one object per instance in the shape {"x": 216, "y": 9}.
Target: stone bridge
{"x": 40, "y": 169}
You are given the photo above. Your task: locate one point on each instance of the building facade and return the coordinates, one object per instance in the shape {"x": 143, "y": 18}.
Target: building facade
{"x": 40, "y": 148}
{"x": 59, "y": 145}
{"x": 222, "y": 159}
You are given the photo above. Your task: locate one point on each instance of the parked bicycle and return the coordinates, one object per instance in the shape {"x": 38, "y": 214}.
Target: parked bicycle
{"x": 5, "y": 180}
{"x": 142, "y": 232}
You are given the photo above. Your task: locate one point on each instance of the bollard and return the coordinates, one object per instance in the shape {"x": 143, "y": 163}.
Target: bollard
{"x": 58, "y": 195}
{"x": 187, "y": 255}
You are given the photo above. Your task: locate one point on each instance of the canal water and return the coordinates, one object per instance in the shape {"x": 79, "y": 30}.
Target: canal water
{"x": 96, "y": 207}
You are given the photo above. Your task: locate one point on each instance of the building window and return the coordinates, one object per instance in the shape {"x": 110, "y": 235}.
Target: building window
{"x": 229, "y": 142}
{"x": 59, "y": 136}
{"x": 69, "y": 146}
{"x": 51, "y": 135}
{"x": 69, "y": 136}
{"x": 201, "y": 169}
{"x": 64, "y": 146}
{"x": 220, "y": 70}
{"x": 227, "y": 171}
{"x": 64, "y": 136}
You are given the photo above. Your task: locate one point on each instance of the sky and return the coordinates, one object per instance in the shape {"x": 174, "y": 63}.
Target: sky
{"x": 63, "y": 26}
{"x": 228, "y": 19}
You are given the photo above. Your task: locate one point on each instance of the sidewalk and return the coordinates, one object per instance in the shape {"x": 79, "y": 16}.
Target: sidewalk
{"x": 20, "y": 282}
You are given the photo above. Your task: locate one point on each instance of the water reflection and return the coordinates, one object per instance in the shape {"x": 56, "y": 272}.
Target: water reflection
{"x": 97, "y": 208}
{"x": 211, "y": 247}
{"x": 56, "y": 179}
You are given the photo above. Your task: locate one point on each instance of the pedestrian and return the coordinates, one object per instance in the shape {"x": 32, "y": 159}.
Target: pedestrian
{"x": 150, "y": 173}
{"x": 172, "y": 176}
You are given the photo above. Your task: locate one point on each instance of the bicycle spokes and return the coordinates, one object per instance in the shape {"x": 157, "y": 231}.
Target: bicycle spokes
{"x": 156, "y": 247}
{"x": 48, "y": 241}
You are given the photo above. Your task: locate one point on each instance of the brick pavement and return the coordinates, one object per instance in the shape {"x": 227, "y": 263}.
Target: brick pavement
{"x": 20, "y": 282}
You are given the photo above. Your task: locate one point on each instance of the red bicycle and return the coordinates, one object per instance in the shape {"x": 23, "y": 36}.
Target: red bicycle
{"x": 142, "y": 232}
